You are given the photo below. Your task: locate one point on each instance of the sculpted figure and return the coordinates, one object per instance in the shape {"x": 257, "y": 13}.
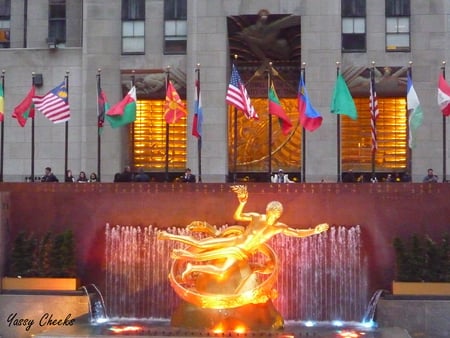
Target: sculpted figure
{"x": 236, "y": 243}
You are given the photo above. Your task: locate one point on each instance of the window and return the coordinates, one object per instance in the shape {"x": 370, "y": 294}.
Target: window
{"x": 398, "y": 25}
{"x": 133, "y": 26}
{"x": 57, "y": 22}
{"x": 353, "y": 25}
{"x": 5, "y": 16}
{"x": 175, "y": 26}
{"x": 391, "y": 129}
{"x": 149, "y": 138}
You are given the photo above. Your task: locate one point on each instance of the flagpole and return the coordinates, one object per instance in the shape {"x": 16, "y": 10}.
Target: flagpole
{"x": 99, "y": 139}
{"x": 66, "y": 143}
{"x": 199, "y": 139}
{"x": 32, "y": 136}
{"x": 303, "y": 167}
{"x": 269, "y": 83}
{"x": 444, "y": 137}
{"x": 167, "y": 131}
{"x": 235, "y": 135}
{"x": 408, "y": 115}
{"x": 2, "y": 143}
{"x": 373, "y": 120}
{"x": 338, "y": 135}
{"x": 133, "y": 80}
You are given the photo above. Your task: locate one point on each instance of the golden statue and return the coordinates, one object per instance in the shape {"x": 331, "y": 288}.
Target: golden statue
{"x": 235, "y": 267}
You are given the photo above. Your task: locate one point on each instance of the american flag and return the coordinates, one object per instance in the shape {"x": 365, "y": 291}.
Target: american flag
{"x": 373, "y": 105}
{"x": 237, "y": 95}
{"x": 55, "y": 104}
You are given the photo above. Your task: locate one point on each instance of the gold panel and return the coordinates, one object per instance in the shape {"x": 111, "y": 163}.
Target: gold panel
{"x": 149, "y": 138}
{"x": 253, "y": 139}
{"x": 391, "y": 129}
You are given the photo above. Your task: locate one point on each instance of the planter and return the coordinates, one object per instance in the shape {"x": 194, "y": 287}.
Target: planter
{"x": 421, "y": 288}
{"x": 40, "y": 283}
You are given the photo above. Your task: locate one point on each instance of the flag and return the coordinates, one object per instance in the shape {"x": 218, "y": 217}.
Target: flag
{"x": 197, "y": 122}
{"x": 237, "y": 95}
{"x": 123, "y": 112}
{"x": 55, "y": 104}
{"x": 414, "y": 110}
{"x": 443, "y": 96}
{"x": 374, "y": 112}
{"x": 25, "y": 109}
{"x": 342, "y": 100}
{"x": 308, "y": 116}
{"x": 102, "y": 107}
{"x": 276, "y": 109}
{"x": 174, "y": 108}
{"x": 2, "y": 103}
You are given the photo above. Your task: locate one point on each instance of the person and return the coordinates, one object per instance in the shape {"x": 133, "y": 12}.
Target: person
{"x": 389, "y": 178}
{"x": 49, "y": 176}
{"x": 93, "y": 178}
{"x": 241, "y": 242}
{"x": 82, "y": 178}
{"x": 125, "y": 176}
{"x": 280, "y": 177}
{"x": 188, "y": 177}
{"x": 142, "y": 176}
{"x": 431, "y": 177}
{"x": 69, "y": 176}
{"x": 348, "y": 177}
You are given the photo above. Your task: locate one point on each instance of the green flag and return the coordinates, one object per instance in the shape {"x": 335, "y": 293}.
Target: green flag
{"x": 342, "y": 101}
{"x": 124, "y": 112}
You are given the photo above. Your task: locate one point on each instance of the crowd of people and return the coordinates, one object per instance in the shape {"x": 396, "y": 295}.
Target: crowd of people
{"x": 188, "y": 177}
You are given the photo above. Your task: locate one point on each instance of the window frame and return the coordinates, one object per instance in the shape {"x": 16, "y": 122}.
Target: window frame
{"x": 353, "y": 11}
{"x": 57, "y": 25}
{"x": 175, "y": 20}
{"x": 397, "y": 10}
{"x": 133, "y": 16}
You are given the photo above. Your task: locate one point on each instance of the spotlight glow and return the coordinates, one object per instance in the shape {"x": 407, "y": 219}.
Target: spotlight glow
{"x": 337, "y": 323}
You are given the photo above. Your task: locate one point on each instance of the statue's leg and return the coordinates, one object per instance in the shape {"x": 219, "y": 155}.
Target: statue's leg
{"x": 210, "y": 269}
{"x": 220, "y": 253}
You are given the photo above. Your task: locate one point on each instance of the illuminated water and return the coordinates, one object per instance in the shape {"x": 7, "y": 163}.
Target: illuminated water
{"x": 322, "y": 277}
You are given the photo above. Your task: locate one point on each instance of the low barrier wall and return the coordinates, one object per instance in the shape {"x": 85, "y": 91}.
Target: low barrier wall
{"x": 383, "y": 211}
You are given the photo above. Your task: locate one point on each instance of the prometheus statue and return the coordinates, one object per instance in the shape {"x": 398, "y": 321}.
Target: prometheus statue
{"x": 233, "y": 267}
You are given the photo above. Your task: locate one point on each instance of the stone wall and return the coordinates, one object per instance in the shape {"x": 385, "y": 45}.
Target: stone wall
{"x": 383, "y": 211}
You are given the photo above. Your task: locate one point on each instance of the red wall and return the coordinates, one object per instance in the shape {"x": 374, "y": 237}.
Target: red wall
{"x": 383, "y": 210}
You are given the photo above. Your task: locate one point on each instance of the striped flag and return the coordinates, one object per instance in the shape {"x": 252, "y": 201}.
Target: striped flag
{"x": 276, "y": 109}
{"x": 197, "y": 122}
{"x": 309, "y": 117}
{"x": 2, "y": 103}
{"x": 374, "y": 112}
{"x": 102, "y": 106}
{"x": 443, "y": 96}
{"x": 25, "y": 109}
{"x": 237, "y": 95}
{"x": 415, "y": 111}
{"x": 55, "y": 104}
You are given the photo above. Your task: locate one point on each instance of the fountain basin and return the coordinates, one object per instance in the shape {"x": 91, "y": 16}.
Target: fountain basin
{"x": 162, "y": 328}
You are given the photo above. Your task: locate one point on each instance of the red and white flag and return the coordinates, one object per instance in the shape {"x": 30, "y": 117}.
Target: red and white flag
{"x": 55, "y": 104}
{"x": 374, "y": 112}
{"x": 443, "y": 96}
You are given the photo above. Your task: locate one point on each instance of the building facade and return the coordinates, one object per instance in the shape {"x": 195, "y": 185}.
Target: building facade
{"x": 123, "y": 41}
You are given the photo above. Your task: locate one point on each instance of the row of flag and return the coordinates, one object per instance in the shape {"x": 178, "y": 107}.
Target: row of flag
{"x": 124, "y": 112}
{"x": 341, "y": 103}
{"x": 55, "y": 105}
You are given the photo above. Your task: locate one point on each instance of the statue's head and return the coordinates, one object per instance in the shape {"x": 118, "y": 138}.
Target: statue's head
{"x": 275, "y": 208}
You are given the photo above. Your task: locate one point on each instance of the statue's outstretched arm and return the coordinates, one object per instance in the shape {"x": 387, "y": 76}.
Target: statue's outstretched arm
{"x": 305, "y": 232}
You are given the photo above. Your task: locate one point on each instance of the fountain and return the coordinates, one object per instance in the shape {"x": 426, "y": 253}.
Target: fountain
{"x": 321, "y": 285}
